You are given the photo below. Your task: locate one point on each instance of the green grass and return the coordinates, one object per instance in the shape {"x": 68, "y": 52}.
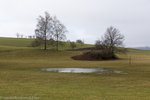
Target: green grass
{"x": 17, "y": 42}
{"x": 20, "y": 76}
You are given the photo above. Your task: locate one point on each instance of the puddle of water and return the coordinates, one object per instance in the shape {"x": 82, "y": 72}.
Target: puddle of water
{"x": 82, "y": 70}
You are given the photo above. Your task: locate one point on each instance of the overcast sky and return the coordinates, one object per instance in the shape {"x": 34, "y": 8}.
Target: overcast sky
{"x": 84, "y": 19}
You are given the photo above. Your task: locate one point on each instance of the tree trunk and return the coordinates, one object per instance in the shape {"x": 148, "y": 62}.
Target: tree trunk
{"x": 57, "y": 43}
{"x": 45, "y": 43}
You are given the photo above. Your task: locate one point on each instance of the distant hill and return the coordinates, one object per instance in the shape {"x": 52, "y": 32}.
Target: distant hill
{"x": 24, "y": 42}
{"x": 16, "y": 42}
{"x": 143, "y": 48}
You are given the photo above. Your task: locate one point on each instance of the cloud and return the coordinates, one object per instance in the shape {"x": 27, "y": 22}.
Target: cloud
{"x": 85, "y": 19}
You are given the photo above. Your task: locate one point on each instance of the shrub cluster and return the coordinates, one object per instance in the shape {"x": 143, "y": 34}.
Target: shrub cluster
{"x": 100, "y": 55}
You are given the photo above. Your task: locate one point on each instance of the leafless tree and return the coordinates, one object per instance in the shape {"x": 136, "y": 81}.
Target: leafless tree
{"x": 44, "y": 28}
{"x": 21, "y": 35}
{"x": 99, "y": 45}
{"x": 59, "y": 31}
{"x": 50, "y": 28}
{"x": 18, "y": 35}
{"x": 113, "y": 39}
{"x": 111, "y": 43}
{"x": 29, "y": 37}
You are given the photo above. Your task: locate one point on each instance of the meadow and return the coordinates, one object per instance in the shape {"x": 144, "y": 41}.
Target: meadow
{"x": 21, "y": 76}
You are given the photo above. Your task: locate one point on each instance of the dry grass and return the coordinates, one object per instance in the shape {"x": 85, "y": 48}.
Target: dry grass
{"x": 20, "y": 76}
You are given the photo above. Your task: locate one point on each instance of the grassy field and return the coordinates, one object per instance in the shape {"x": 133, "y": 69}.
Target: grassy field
{"x": 16, "y": 42}
{"x": 21, "y": 76}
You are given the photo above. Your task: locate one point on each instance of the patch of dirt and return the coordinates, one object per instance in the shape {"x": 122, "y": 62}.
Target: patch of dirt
{"x": 88, "y": 57}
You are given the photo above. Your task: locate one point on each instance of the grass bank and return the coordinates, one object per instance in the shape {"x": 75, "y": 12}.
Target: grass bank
{"x": 20, "y": 76}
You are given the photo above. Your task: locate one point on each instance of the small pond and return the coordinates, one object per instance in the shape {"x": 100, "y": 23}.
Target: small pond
{"x": 82, "y": 70}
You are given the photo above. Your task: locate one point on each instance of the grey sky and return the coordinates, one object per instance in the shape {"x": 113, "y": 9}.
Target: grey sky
{"x": 85, "y": 19}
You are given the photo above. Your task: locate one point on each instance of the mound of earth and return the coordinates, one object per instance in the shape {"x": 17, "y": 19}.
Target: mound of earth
{"x": 90, "y": 56}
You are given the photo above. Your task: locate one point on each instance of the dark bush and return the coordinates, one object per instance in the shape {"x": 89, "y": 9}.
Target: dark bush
{"x": 95, "y": 55}
{"x": 73, "y": 45}
{"x": 80, "y": 41}
{"x": 37, "y": 42}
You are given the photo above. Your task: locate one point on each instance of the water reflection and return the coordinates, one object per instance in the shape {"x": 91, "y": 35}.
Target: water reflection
{"x": 82, "y": 70}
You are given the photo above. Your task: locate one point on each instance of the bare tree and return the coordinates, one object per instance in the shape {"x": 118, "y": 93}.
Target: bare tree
{"x": 50, "y": 28}
{"x": 113, "y": 39}
{"x": 99, "y": 44}
{"x": 18, "y": 35}
{"x": 111, "y": 43}
{"x": 44, "y": 28}
{"x": 59, "y": 31}
{"x": 21, "y": 35}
